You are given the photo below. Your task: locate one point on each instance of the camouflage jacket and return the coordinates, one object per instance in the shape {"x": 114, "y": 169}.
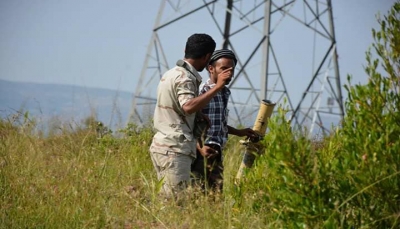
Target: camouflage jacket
{"x": 172, "y": 125}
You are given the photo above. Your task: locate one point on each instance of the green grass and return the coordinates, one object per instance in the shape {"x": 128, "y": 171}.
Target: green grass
{"x": 75, "y": 180}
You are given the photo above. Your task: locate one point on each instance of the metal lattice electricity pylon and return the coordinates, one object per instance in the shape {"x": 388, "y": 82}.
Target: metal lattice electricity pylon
{"x": 286, "y": 53}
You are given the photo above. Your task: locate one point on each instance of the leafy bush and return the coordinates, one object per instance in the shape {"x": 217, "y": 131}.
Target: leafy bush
{"x": 352, "y": 178}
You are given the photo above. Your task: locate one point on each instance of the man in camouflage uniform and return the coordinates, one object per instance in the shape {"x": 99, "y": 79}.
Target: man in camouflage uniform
{"x": 173, "y": 148}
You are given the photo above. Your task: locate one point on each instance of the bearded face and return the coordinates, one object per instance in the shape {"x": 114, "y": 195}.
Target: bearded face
{"x": 220, "y": 65}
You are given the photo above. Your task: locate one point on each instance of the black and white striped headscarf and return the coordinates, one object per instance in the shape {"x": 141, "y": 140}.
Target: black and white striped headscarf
{"x": 222, "y": 53}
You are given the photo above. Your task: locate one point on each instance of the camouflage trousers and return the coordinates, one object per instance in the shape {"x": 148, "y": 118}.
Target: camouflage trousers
{"x": 174, "y": 169}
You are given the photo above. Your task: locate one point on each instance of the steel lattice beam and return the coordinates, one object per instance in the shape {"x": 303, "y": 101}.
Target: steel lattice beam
{"x": 252, "y": 29}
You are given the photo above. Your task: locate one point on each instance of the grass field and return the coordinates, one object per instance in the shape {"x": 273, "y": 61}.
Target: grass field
{"x": 73, "y": 179}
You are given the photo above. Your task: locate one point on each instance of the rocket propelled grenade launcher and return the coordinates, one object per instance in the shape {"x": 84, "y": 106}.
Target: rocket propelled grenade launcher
{"x": 252, "y": 145}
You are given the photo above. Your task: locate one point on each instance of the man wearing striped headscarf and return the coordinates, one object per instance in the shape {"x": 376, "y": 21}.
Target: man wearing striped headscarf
{"x": 209, "y": 154}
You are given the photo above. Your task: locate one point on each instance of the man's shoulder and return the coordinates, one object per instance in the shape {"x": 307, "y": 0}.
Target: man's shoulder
{"x": 178, "y": 73}
{"x": 175, "y": 72}
{"x": 226, "y": 90}
{"x": 205, "y": 86}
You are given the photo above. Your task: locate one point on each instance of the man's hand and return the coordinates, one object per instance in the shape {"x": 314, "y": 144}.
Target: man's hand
{"x": 248, "y": 132}
{"x": 200, "y": 116}
{"x": 197, "y": 103}
{"x": 208, "y": 152}
{"x": 224, "y": 77}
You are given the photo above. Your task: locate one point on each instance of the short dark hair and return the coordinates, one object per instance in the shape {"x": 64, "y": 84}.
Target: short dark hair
{"x": 199, "y": 45}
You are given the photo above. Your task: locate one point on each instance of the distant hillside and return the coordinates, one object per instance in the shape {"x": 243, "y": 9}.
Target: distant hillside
{"x": 47, "y": 101}
{"x": 73, "y": 103}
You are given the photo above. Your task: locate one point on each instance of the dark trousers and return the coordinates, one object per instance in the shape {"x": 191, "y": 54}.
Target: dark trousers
{"x": 208, "y": 172}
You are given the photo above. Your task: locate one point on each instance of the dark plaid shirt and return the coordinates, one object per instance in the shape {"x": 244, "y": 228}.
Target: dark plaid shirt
{"x": 217, "y": 111}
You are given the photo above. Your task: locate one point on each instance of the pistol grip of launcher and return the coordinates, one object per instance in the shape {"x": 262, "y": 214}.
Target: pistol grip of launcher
{"x": 260, "y": 127}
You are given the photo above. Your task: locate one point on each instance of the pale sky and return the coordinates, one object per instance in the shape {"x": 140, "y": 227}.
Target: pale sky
{"x": 102, "y": 43}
